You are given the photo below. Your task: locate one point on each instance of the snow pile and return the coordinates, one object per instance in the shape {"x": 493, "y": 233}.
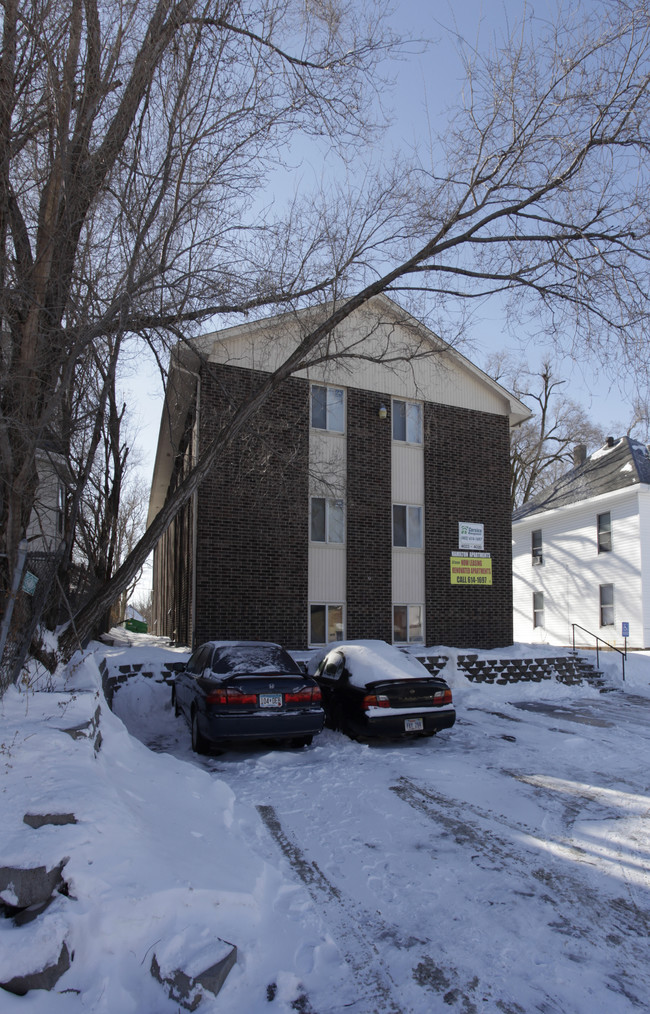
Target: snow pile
{"x": 153, "y": 857}
{"x": 500, "y": 866}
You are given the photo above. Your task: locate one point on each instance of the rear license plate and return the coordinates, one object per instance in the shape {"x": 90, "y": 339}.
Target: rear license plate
{"x": 413, "y": 725}
{"x": 270, "y": 700}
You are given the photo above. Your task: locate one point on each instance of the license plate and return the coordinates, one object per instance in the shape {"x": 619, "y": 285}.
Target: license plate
{"x": 270, "y": 700}
{"x": 413, "y": 725}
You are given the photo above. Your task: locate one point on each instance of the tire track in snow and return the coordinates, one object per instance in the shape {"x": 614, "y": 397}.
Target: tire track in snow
{"x": 579, "y": 906}
{"x": 355, "y": 928}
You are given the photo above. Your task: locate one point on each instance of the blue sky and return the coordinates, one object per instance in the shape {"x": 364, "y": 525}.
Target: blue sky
{"x": 427, "y": 81}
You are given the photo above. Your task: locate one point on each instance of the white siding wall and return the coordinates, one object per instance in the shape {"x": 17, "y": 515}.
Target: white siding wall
{"x": 573, "y": 571}
{"x": 644, "y": 539}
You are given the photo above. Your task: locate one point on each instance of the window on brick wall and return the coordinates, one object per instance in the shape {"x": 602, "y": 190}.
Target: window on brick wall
{"x": 407, "y": 421}
{"x": 536, "y": 547}
{"x": 538, "y": 609}
{"x": 607, "y": 605}
{"x": 328, "y": 408}
{"x": 604, "y": 528}
{"x": 327, "y": 522}
{"x": 408, "y": 624}
{"x": 407, "y": 526}
{"x": 325, "y": 623}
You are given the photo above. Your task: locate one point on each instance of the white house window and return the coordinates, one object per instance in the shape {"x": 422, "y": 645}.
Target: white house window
{"x": 604, "y": 527}
{"x": 536, "y": 547}
{"x": 328, "y": 408}
{"x": 407, "y": 421}
{"x": 407, "y": 526}
{"x": 327, "y": 520}
{"x": 325, "y": 623}
{"x": 408, "y": 624}
{"x": 607, "y": 605}
{"x": 538, "y": 609}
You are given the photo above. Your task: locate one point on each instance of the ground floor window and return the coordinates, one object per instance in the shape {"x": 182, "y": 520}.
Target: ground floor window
{"x": 325, "y": 623}
{"x": 607, "y": 605}
{"x": 538, "y": 609}
{"x": 408, "y": 624}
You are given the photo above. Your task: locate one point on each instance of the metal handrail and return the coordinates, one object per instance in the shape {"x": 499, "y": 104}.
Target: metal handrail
{"x": 598, "y": 639}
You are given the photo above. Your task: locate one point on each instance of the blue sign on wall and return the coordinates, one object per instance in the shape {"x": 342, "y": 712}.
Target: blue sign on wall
{"x": 625, "y": 631}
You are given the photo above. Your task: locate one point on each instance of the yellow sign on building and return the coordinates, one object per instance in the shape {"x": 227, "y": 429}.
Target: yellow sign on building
{"x": 471, "y": 569}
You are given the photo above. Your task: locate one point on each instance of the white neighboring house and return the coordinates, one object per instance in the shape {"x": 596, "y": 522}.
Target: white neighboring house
{"x": 45, "y": 529}
{"x": 581, "y": 552}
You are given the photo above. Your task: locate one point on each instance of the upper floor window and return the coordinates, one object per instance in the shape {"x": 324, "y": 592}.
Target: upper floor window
{"x": 328, "y": 408}
{"x": 604, "y": 528}
{"x": 536, "y": 547}
{"x": 327, "y": 520}
{"x": 407, "y": 526}
{"x": 407, "y": 421}
{"x": 538, "y": 609}
{"x": 607, "y": 605}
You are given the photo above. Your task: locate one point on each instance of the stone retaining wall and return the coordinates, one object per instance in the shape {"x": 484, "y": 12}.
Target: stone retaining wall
{"x": 113, "y": 677}
{"x": 570, "y": 668}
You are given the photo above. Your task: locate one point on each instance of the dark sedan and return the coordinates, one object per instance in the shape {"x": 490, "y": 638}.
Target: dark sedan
{"x": 373, "y": 690}
{"x": 246, "y": 690}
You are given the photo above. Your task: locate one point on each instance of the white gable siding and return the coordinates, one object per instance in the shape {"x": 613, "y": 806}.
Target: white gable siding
{"x": 440, "y": 375}
{"x": 573, "y": 570}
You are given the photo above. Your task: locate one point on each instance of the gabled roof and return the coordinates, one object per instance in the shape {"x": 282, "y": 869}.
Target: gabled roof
{"x": 616, "y": 465}
{"x": 263, "y": 345}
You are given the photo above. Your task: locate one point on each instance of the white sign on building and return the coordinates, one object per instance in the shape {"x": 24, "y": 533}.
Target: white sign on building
{"x": 470, "y": 536}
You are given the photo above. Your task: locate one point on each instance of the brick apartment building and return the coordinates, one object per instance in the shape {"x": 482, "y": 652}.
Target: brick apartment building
{"x": 368, "y": 499}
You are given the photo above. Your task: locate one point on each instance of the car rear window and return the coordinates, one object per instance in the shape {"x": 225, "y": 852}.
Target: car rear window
{"x": 253, "y": 659}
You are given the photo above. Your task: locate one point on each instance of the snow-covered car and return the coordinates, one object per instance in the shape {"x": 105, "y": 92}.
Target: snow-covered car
{"x": 374, "y": 690}
{"x": 234, "y": 690}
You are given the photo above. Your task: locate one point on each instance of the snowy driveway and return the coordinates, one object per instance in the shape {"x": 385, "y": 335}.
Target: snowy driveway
{"x": 502, "y": 866}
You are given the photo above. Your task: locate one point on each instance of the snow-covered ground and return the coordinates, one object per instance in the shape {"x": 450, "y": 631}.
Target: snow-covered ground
{"x": 500, "y": 867}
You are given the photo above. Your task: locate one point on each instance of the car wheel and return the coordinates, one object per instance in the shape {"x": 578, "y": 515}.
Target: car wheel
{"x": 199, "y": 742}
{"x": 301, "y": 741}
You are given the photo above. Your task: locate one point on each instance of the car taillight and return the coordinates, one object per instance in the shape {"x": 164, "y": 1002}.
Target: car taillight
{"x": 375, "y": 701}
{"x": 442, "y": 697}
{"x": 230, "y": 695}
{"x": 311, "y": 695}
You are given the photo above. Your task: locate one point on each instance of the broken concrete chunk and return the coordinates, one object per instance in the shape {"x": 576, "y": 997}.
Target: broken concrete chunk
{"x": 45, "y": 978}
{"x": 187, "y": 988}
{"x": 21, "y": 888}
{"x": 41, "y": 819}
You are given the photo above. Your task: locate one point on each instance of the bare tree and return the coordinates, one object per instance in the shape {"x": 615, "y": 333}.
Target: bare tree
{"x": 134, "y": 137}
{"x": 542, "y": 448}
{"x": 159, "y": 124}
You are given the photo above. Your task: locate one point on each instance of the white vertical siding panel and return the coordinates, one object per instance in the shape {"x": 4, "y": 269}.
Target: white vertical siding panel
{"x": 326, "y": 582}
{"x": 327, "y": 463}
{"x": 408, "y": 576}
{"x": 407, "y": 473}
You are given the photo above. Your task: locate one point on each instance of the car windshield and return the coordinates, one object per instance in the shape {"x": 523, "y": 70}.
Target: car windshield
{"x": 252, "y": 658}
